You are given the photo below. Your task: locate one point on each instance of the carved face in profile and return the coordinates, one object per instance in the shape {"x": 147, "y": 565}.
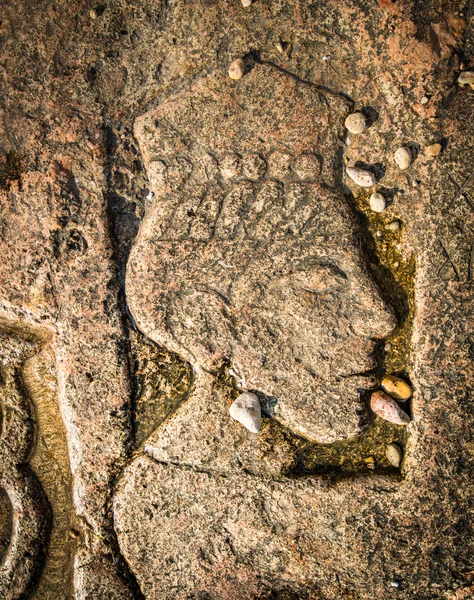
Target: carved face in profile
{"x": 250, "y": 255}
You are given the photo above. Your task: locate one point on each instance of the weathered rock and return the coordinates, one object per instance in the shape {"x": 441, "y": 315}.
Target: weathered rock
{"x": 396, "y": 387}
{"x": 386, "y": 408}
{"x": 269, "y": 295}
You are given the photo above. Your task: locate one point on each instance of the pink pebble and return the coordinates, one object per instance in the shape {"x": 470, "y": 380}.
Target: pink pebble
{"x": 386, "y": 408}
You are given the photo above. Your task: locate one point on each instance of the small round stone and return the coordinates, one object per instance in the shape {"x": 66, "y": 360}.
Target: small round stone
{"x": 397, "y": 388}
{"x": 356, "y": 123}
{"x": 386, "y": 408}
{"x": 379, "y": 233}
{"x": 394, "y": 455}
{"x": 396, "y": 264}
{"x": 377, "y": 202}
{"x": 433, "y": 150}
{"x": 425, "y": 100}
{"x": 307, "y": 167}
{"x": 403, "y": 157}
{"x": 237, "y": 69}
{"x": 361, "y": 176}
{"x": 393, "y": 226}
{"x": 253, "y": 166}
{"x": 93, "y": 13}
{"x": 246, "y": 3}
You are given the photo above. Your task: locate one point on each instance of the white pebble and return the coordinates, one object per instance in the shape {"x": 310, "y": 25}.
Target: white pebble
{"x": 246, "y": 410}
{"x": 394, "y": 584}
{"x": 403, "y": 157}
{"x": 466, "y": 78}
{"x": 356, "y": 123}
{"x": 237, "y": 69}
{"x": 393, "y": 226}
{"x": 246, "y": 3}
{"x": 379, "y": 233}
{"x": 394, "y": 455}
{"x": 377, "y": 202}
{"x": 425, "y": 100}
{"x": 361, "y": 176}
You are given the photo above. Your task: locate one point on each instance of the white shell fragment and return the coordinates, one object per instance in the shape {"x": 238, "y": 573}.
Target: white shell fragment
{"x": 466, "y": 78}
{"x": 356, "y": 123}
{"x": 403, "y": 157}
{"x": 246, "y": 410}
{"x": 387, "y": 409}
{"x": 394, "y": 455}
{"x": 361, "y": 176}
{"x": 377, "y": 202}
{"x": 237, "y": 69}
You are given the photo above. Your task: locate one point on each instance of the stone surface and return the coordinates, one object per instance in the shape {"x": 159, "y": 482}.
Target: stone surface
{"x": 261, "y": 273}
{"x": 120, "y": 468}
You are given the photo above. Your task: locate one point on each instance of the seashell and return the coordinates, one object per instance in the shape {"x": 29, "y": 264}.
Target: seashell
{"x": 396, "y": 387}
{"x": 386, "y": 408}
{"x": 377, "y": 202}
{"x": 361, "y": 176}
{"x": 394, "y": 455}
{"x": 356, "y": 123}
{"x": 466, "y": 78}
{"x": 246, "y": 410}
{"x": 237, "y": 69}
{"x": 403, "y": 157}
{"x": 433, "y": 150}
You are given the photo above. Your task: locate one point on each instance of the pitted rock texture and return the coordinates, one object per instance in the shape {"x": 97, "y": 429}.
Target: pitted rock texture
{"x": 203, "y": 508}
{"x": 257, "y": 265}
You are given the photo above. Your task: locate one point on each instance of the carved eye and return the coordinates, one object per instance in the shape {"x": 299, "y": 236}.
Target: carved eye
{"x": 319, "y": 278}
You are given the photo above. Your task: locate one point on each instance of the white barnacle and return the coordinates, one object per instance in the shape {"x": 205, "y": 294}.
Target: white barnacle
{"x": 246, "y": 410}
{"x": 361, "y": 176}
